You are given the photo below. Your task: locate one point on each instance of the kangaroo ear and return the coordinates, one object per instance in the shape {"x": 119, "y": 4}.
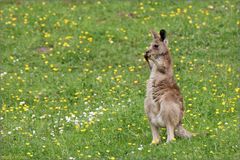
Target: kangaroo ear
{"x": 154, "y": 34}
{"x": 163, "y": 34}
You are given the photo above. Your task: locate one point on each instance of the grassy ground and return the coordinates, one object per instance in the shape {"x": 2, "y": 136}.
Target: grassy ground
{"x": 73, "y": 78}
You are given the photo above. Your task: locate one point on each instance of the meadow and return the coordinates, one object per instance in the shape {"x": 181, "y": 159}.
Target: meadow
{"x": 73, "y": 77}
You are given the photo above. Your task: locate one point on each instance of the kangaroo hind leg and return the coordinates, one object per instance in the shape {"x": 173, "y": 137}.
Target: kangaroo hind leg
{"x": 170, "y": 133}
{"x": 155, "y": 134}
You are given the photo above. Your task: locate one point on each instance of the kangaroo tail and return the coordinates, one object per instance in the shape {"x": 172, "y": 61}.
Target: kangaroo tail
{"x": 182, "y": 132}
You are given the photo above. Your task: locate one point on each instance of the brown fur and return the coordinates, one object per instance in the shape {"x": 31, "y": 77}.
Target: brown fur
{"x": 163, "y": 103}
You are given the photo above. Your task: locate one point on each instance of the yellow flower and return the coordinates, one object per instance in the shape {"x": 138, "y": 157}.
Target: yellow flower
{"x": 65, "y": 44}
{"x": 135, "y": 82}
{"x": 46, "y": 35}
{"x": 178, "y": 10}
{"x": 90, "y": 39}
{"x": 119, "y": 129}
{"x": 237, "y": 90}
{"x": 55, "y": 69}
{"x": 26, "y": 67}
{"x": 68, "y": 37}
{"x": 229, "y": 69}
{"x": 77, "y": 126}
{"x": 66, "y": 21}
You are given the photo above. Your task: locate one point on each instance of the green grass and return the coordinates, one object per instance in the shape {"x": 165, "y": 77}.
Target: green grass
{"x": 73, "y": 78}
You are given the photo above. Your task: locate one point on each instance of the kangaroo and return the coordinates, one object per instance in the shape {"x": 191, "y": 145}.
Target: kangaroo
{"x": 163, "y": 103}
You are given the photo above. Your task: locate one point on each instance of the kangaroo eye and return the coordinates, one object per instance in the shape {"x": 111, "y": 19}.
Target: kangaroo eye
{"x": 155, "y": 46}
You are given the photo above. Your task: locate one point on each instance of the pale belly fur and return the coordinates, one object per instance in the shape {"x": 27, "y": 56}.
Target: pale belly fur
{"x": 154, "y": 110}
{"x": 155, "y": 115}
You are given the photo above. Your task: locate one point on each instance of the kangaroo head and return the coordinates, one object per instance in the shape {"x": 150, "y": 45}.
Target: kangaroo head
{"x": 158, "y": 49}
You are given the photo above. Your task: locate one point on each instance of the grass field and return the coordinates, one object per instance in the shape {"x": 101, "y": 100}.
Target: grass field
{"x": 73, "y": 78}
